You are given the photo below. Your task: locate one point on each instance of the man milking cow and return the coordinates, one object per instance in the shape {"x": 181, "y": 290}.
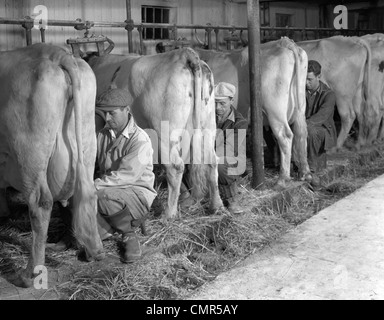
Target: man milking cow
{"x": 124, "y": 173}
{"x": 320, "y": 105}
{"x": 230, "y": 148}
{"x": 125, "y": 177}
{"x": 319, "y": 112}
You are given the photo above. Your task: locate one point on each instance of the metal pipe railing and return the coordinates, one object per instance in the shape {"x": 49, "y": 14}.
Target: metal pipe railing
{"x": 78, "y": 24}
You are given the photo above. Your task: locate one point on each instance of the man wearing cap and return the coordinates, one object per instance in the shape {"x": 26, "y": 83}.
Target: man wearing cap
{"x": 230, "y": 144}
{"x": 230, "y": 148}
{"x": 125, "y": 172}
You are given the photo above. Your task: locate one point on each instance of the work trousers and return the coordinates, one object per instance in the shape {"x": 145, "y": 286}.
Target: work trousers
{"x": 120, "y": 209}
{"x": 317, "y": 157}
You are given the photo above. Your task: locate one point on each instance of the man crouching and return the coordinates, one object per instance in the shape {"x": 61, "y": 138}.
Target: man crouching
{"x": 125, "y": 177}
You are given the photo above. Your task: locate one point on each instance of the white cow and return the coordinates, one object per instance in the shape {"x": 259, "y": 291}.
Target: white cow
{"x": 172, "y": 93}
{"x": 346, "y": 69}
{"x": 48, "y": 143}
{"x": 374, "y": 116}
{"x": 283, "y": 77}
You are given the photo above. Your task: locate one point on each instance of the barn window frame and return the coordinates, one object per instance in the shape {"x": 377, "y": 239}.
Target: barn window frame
{"x": 159, "y": 15}
{"x": 264, "y": 14}
{"x": 284, "y": 16}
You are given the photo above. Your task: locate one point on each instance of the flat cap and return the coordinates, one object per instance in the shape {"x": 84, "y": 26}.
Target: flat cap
{"x": 112, "y": 99}
{"x": 224, "y": 90}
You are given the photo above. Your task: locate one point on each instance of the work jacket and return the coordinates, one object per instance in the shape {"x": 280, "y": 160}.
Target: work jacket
{"x": 319, "y": 112}
{"x": 126, "y": 160}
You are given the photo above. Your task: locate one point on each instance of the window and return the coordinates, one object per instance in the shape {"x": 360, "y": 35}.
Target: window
{"x": 150, "y": 14}
{"x": 283, "y": 20}
{"x": 363, "y": 21}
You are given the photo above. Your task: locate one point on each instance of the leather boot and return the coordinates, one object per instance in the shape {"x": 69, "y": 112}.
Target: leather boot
{"x": 132, "y": 248}
{"x": 186, "y": 200}
{"x": 234, "y": 207}
{"x": 122, "y": 222}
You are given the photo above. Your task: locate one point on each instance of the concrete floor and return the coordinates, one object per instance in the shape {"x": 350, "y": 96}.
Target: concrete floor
{"x": 337, "y": 254}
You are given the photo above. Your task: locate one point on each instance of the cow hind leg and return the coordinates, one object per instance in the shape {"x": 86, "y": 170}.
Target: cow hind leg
{"x": 300, "y": 147}
{"x": 174, "y": 172}
{"x": 40, "y": 204}
{"x": 213, "y": 176}
{"x": 347, "y": 116}
{"x": 364, "y": 125}
{"x": 372, "y": 118}
{"x": 380, "y": 135}
{"x": 284, "y": 138}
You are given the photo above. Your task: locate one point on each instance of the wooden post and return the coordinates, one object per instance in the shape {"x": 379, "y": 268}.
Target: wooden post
{"x": 129, "y": 29}
{"x": 140, "y": 29}
{"x": 255, "y": 93}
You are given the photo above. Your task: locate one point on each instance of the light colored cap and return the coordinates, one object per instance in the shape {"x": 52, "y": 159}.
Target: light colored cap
{"x": 112, "y": 99}
{"x": 224, "y": 90}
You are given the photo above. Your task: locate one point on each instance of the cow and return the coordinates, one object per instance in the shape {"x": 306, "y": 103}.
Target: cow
{"x": 374, "y": 116}
{"x": 345, "y": 65}
{"x": 48, "y": 143}
{"x": 172, "y": 94}
{"x": 283, "y": 76}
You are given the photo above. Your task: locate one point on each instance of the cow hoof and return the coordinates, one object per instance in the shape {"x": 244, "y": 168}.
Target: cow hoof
{"x": 316, "y": 183}
{"x": 97, "y": 257}
{"x": 85, "y": 256}
{"x": 186, "y": 202}
{"x": 222, "y": 210}
{"x": 333, "y": 150}
{"x": 281, "y": 185}
{"x": 165, "y": 219}
{"x": 22, "y": 281}
{"x": 60, "y": 246}
{"x": 308, "y": 177}
{"x": 100, "y": 256}
{"x": 168, "y": 216}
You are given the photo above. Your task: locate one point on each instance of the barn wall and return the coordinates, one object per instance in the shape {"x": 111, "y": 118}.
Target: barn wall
{"x": 216, "y": 12}
{"x": 301, "y": 16}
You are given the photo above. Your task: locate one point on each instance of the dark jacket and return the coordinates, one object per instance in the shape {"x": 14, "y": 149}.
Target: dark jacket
{"x": 229, "y": 143}
{"x": 320, "y": 113}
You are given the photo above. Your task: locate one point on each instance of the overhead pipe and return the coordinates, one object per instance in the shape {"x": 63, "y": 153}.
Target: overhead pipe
{"x": 129, "y": 26}
{"x": 68, "y": 23}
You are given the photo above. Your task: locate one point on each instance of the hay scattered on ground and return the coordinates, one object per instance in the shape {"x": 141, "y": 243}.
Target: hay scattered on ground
{"x": 181, "y": 255}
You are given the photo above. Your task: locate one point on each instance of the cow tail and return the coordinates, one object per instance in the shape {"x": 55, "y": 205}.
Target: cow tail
{"x": 84, "y": 197}
{"x": 300, "y": 133}
{"x": 367, "y": 70}
{"x": 197, "y": 169}
{"x": 368, "y": 111}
